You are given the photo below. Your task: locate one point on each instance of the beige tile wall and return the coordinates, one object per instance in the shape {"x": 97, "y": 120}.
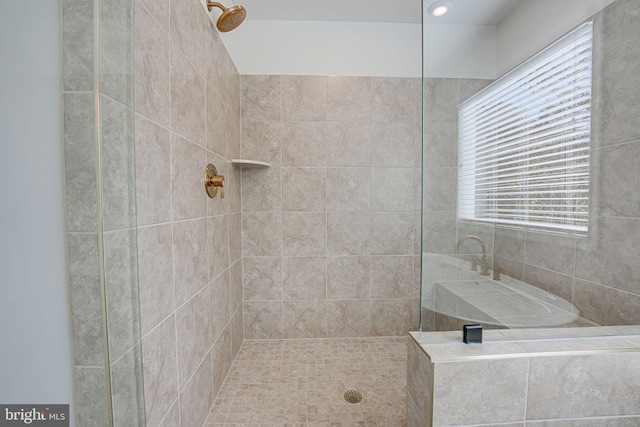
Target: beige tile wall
{"x": 187, "y": 115}
{"x": 552, "y": 386}
{"x": 329, "y": 229}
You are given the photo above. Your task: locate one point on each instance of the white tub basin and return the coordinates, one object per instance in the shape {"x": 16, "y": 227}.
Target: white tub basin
{"x": 451, "y": 288}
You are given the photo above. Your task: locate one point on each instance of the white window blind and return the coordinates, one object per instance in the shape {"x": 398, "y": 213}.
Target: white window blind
{"x": 524, "y": 142}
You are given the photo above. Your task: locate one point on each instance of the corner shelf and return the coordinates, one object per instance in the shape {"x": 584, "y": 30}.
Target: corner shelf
{"x": 244, "y": 163}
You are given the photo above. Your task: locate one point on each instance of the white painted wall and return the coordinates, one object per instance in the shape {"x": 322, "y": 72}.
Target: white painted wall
{"x": 35, "y": 331}
{"x": 282, "y": 47}
{"x": 488, "y": 52}
{"x": 361, "y": 49}
{"x": 460, "y": 51}
{"x": 326, "y": 48}
{"x": 538, "y": 23}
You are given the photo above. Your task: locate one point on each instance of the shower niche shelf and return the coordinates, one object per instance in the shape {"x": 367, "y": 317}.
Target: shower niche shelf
{"x": 245, "y": 163}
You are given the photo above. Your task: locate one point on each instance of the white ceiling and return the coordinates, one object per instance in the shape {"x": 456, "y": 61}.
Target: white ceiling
{"x": 469, "y": 12}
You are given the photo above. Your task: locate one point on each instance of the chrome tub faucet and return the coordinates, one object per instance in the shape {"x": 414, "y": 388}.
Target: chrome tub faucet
{"x": 484, "y": 264}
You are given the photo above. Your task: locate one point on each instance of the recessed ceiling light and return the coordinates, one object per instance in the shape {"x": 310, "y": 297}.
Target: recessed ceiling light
{"x": 440, "y": 11}
{"x": 439, "y": 8}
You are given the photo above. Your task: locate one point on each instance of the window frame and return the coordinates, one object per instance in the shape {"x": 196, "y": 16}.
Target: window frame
{"x": 479, "y": 173}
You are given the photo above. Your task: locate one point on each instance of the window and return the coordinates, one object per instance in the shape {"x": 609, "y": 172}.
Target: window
{"x": 524, "y": 142}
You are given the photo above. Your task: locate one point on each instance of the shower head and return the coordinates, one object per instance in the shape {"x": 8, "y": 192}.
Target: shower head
{"x": 231, "y": 16}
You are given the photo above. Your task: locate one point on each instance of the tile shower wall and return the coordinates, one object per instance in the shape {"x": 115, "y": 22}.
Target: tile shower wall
{"x": 187, "y": 115}
{"x": 532, "y": 383}
{"x": 329, "y": 230}
{"x": 598, "y": 274}
{"x": 81, "y": 206}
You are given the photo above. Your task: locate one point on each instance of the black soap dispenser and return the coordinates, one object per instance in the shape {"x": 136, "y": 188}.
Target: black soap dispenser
{"x": 472, "y": 334}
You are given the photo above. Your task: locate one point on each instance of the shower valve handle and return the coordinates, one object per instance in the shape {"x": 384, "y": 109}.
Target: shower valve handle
{"x": 212, "y": 181}
{"x": 218, "y": 181}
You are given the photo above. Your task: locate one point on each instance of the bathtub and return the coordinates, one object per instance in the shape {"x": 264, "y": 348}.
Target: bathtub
{"x": 451, "y": 288}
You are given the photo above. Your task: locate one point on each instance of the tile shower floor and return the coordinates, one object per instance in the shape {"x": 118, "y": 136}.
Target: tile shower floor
{"x": 302, "y": 383}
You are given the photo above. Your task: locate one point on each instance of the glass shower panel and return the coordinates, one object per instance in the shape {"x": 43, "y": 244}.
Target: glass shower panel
{"x": 521, "y": 276}
{"x": 100, "y": 179}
